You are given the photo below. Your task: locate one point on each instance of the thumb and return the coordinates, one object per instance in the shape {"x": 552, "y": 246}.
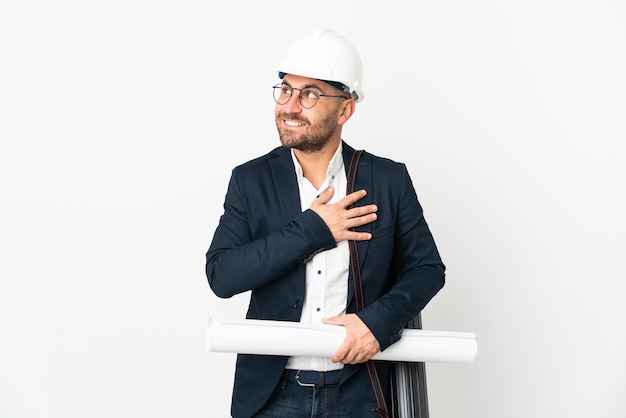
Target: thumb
{"x": 333, "y": 320}
{"x": 326, "y": 195}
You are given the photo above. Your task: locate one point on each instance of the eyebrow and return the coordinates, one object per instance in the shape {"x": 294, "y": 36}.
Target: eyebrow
{"x": 307, "y": 86}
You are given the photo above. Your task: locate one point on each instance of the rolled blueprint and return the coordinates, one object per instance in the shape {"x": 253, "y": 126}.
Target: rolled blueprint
{"x": 252, "y": 336}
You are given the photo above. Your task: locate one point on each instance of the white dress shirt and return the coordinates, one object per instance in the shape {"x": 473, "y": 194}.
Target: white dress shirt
{"x": 327, "y": 272}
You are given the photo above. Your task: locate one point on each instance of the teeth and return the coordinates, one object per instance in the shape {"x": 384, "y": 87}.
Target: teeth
{"x": 293, "y": 123}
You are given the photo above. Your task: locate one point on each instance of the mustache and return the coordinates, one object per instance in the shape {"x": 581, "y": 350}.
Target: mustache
{"x": 291, "y": 116}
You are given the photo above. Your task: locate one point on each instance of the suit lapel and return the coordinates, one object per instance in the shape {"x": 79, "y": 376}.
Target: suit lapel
{"x": 287, "y": 193}
{"x": 286, "y": 183}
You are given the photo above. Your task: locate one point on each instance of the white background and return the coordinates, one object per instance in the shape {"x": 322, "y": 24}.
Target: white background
{"x": 121, "y": 120}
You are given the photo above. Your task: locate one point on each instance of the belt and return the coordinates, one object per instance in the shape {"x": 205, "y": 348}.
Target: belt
{"x": 313, "y": 378}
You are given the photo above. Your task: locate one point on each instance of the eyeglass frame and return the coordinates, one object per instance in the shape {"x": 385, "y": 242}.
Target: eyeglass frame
{"x": 312, "y": 88}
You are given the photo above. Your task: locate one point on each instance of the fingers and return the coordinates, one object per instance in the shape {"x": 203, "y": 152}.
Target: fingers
{"x": 325, "y": 196}
{"x": 367, "y": 212}
{"x": 361, "y": 215}
{"x": 347, "y": 355}
{"x": 347, "y": 201}
{"x": 358, "y": 216}
{"x": 359, "y": 345}
{"x": 333, "y": 320}
{"x": 340, "y": 355}
{"x": 353, "y": 197}
{"x": 340, "y": 218}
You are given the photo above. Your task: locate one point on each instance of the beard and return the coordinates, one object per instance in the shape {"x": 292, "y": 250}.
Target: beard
{"x": 314, "y": 137}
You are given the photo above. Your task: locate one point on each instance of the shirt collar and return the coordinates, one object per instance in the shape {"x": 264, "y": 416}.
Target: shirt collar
{"x": 334, "y": 166}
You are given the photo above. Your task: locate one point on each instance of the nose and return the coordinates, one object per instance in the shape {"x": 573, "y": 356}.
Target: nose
{"x": 293, "y": 104}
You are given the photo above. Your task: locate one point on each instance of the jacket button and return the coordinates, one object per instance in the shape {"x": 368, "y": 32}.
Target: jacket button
{"x": 297, "y": 304}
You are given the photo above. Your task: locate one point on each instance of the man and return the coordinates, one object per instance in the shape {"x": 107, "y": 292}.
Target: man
{"x": 286, "y": 233}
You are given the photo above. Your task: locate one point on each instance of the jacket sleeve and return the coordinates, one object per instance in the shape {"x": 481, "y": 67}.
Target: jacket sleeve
{"x": 253, "y": 245}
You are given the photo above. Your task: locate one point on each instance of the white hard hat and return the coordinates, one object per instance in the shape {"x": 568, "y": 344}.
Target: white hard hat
{"x": 328, "y": 56}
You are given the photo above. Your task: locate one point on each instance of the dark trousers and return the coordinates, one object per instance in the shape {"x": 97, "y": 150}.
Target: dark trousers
{"x": 301, "y": 398}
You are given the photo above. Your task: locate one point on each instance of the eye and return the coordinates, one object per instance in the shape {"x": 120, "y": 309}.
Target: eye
{"x": 286, "y": 90}
{"x": 310, "y": 94}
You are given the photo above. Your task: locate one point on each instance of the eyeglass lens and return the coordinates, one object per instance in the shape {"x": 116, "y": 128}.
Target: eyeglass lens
{"x": 307, "y": 97}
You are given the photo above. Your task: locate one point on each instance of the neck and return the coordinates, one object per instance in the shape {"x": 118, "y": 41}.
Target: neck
{"x": 315, "y": 164}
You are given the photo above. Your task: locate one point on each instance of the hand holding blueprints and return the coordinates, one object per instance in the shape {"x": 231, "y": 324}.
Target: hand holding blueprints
{"x": 294, "y": 338}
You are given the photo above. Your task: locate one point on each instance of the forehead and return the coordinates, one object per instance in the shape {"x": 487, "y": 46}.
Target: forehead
{"x": 302, "y": 82}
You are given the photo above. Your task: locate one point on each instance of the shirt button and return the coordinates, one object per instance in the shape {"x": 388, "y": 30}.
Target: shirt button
{"x": 319, "y": 272}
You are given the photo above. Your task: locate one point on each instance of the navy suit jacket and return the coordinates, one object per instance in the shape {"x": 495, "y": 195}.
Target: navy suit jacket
{"x": 262, "y": 243}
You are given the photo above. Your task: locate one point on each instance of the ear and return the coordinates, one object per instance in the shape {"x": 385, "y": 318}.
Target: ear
{"x": 347, "y": 110}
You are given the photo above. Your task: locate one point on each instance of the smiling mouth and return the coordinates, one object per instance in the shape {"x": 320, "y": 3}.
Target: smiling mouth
{"x": 293, "y": 123}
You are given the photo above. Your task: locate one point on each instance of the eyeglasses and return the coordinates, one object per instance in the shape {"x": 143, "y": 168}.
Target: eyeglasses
{"x": 308, "y": 97}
